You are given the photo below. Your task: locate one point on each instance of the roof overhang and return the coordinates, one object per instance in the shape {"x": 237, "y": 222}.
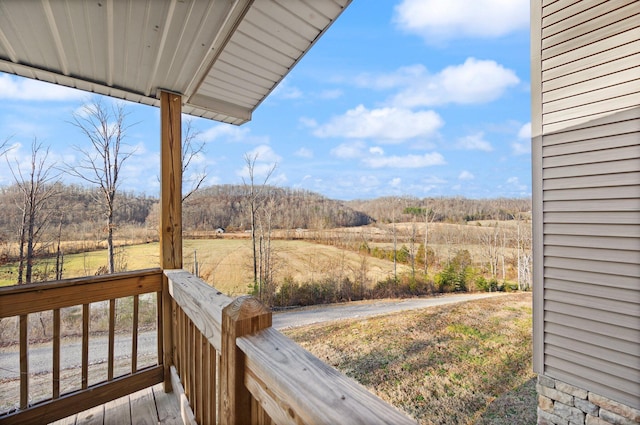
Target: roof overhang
{"x": 223, "y": 56}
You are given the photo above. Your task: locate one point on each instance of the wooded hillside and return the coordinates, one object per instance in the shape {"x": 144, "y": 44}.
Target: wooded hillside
{"x": 450, "y": 210}
{"x": 225, "y": 206}
{"x": 76, "y": 209}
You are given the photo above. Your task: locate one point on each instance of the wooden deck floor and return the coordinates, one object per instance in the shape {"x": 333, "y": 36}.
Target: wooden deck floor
{"x": 149, "y": 406}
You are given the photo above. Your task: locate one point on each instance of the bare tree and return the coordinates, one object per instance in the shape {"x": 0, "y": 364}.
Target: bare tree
{"x": 37, "y": 187}
{"x": 4, "y": 146}
{"x": 255, "y": 200}
{"x": 192, "y": 148}
{"x": 266, "y": 257}
{"x": 524, "y": 263}
{"x": 101, "y": 165}
{"x": 490, "y": 241}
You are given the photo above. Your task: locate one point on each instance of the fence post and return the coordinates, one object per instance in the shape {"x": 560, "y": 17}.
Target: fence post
{"x": 244, "y": 316}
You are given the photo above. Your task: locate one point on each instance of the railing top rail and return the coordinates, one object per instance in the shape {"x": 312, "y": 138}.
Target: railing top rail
{"x": 296, "y": 387}
{"x": 290, "y": 384}
{"x": 34, "y": 297}
{"x": 201, "y": 302}
{"x": 77, "y": 281}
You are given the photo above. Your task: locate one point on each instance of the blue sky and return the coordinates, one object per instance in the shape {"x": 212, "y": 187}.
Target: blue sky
{"x": 406, "y": 97}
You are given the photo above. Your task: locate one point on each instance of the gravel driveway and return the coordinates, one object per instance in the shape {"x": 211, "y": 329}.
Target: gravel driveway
{"x": 361, "y": 309}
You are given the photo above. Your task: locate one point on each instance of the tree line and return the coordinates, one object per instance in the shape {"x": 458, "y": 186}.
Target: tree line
{"x": 397, "y": 209}
{"x": 227, "y": 206}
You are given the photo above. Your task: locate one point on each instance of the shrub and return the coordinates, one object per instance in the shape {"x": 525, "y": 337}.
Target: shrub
{"x": 455, "y": 276}
{"x": 491, "y": 285}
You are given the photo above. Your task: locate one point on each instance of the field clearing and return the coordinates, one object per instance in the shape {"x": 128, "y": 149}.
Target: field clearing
{"x": 226, "y": 263}
{"x": 468, "y": 363}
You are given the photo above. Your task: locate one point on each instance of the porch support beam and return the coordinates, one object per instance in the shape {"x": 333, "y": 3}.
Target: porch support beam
{"x": 170, "y": 213}
{"x": 170, "y": 181}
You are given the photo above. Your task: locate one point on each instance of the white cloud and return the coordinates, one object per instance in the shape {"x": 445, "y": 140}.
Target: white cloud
{"x": 474, "y": 81}
{"x": 286, "y": 91}
{"x": 514, "y": 182}
{"x": 395, "y": 182}
{"x": 466, "y": 175}
{"x": 349, "y": 150}
{"x": 308, "y": 122}
{"x": 523, "y": 146}
{"x": 278, "y": 179}
{"x": 376, "y": 150}
{"x": 264, "y": 153}
{"x": 224, "y": 131}
{"x": 331, "y": 94}
{"x": 408, "y": 161}
{"x": 16, "y": 88}
{"x": 304, "y": 153}
{"x": 404, "y": 76}
{"x": 525, "y": 131}
{"x": 440, "y": 20}
{"x": 474, "y": 142}
{"x": 369, "y": 181}
{"x": 232, "y": 134}
{"x": 384, "y": 124}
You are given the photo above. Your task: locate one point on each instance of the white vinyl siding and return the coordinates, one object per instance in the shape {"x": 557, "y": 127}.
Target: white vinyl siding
{"x": 588, "y": 121}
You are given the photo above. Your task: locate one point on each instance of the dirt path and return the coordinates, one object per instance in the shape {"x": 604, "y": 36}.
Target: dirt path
{"x": 361, "y": 309}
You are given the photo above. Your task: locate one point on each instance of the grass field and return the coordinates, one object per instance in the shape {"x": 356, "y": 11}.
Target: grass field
{"x": 468, "y": 363}
{"x": 226, "y": 263}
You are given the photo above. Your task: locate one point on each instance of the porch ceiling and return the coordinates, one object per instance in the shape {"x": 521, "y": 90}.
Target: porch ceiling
{"x": 223, "y": 56}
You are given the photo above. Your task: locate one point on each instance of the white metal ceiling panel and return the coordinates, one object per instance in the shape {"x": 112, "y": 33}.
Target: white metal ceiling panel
{"x": 223, "y": 56}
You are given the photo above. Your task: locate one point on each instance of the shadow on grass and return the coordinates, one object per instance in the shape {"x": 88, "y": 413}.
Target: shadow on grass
{"x": 516, "y": 407}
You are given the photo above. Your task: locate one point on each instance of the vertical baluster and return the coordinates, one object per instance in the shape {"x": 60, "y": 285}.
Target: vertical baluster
{"x": 197, "y": 342}
{"x": 174, "y": 331}
{"x": 112, "y": 338}
{"x": 189, "y": 363}
{"x": 180, "y": 341}
{"x": 56, "y": 353}
{"x": 183, "y": 351}
{"x": 209, "y": 380}
{"x": 215, "y": 378}
{"x": 160, "y": 330}
{"x": 204, "y": 380}
{"x": 134, "y": 335}
{"x": 164, "y": 316}
{"x": 85, "y": 345}
{"x": 24, "y": 362}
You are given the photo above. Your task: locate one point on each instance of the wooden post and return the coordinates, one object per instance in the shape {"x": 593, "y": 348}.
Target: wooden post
{"x": 244, "y": 316}
{"x": 170, "y": 212}
{"x": 171, "y": 181}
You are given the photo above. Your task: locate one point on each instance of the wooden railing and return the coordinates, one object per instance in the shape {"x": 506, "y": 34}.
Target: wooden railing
{"x": 263, "y": 376}
{"x": 220, "y": 356}
{"x": 18, "y": 302}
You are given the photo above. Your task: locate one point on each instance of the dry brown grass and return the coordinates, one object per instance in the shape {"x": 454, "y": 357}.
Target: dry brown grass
{"x": 226, "y": 263}
{"x": 461, "y": 364}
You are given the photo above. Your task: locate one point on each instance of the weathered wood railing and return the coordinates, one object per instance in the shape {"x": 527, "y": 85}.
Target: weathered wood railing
{"x": 221, "y": 357}
{"x": 21, "y": 301}
{"x": 263, "y": 376}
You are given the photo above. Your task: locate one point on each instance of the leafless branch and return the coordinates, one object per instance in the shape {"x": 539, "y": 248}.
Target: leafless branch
{"x": 192, "y": 148}
{"x": 106, "y": 129}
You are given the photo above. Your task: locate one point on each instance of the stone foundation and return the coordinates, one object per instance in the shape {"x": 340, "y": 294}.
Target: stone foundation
{"x": 563, "y": 404}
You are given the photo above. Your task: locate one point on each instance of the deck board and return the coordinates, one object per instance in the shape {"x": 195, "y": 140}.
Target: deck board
{"x": 94, "y": 416}
{"x": 149, "y": 406}
{"x": 167, "y": 406}
{"x": 143, "y": 408}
